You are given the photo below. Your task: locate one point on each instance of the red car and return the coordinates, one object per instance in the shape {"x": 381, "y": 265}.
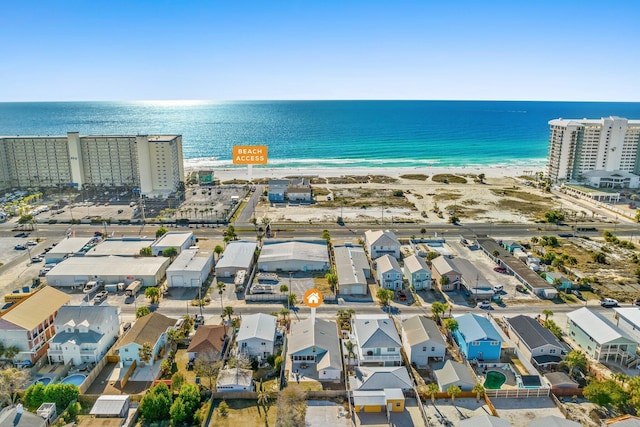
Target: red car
{"x": 402, "y": 296}
{"x": 500, "y": 269}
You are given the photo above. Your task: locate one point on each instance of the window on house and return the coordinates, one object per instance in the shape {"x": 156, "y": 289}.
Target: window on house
{"x": 433, "y": 349}
{"x": 552, "y": 351}
{"x": 424, "y": 348}
{"x": 391, "y": 349}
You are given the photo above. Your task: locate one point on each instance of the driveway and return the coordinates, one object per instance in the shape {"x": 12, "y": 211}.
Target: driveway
{"x": 322, "y": 413}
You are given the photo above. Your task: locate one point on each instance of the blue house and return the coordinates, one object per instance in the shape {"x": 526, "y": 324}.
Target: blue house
{"x": 564, "y": 284}
{"x": 477, "y": 338}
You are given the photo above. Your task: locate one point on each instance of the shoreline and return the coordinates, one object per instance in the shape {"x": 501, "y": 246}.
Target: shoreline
{"x": 495, "y": 171}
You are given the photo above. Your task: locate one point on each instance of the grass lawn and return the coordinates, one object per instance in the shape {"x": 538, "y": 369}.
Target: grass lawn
{"x": 242, "y": 413}
{"x": 182, "y": 358}
{"x": 305, "y": 385}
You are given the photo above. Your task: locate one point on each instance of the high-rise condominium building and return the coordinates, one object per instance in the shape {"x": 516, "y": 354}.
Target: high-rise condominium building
{"x": 579, "y": 148}
{"x": 152, "y": 164}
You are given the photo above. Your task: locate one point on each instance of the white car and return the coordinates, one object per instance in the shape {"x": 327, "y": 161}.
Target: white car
{"x": 31, "y": 243}
{"x": 609, "y": 302}
{"x": 485, "y": 305}
{"x": 498, "y": 288}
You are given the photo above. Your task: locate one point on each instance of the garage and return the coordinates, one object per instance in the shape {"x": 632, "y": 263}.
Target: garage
{"x": 177, "y": 281}
{"x": 190, "y": 269}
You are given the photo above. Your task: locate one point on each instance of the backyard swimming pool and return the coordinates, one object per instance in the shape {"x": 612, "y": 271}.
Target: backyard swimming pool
{"x": 44, "y": 381}
{"x": 494, "y": 380}
{"x": 75, "y": 379}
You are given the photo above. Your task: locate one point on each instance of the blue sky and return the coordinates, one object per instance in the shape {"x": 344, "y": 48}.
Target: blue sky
{"x": 281, "y": 49}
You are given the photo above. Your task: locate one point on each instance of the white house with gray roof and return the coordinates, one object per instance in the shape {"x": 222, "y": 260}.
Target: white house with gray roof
{"x": 417, "y": 273}
{"x": 238, "y": 255}
{"x": 389, "y": 272}
{"x": 257, "y": 335}
{"x": 600, "y": 338}
{"x": 352, "y": 269}
{"x": 422, "y": 340}
{"x": 84, "y": 334}
{"x": 382, "y": 242}
{"x": 315, "y": 348}
{"x": 380, "y": 378}
{"x": 536, "y": 342}
{"x": 454, "y": 373}
{"x": 628, "y": 319}
{"x": 377, "y": 341}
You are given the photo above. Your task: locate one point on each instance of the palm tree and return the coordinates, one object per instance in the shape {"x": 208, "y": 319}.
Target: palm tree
{"x": 453, "y": 391}
{"x": 432, "y": 390}
{"x": 575, "y": 359}
{"x": 478, "y": 389}
{"x": 439, "y": 308}
{"x": 546, "y": 313}
{"x": 218, "y": 250}
{"x": 228, "y": 312}
{"x": 350, "y": 347}
{"x": 153, "y": 293}
{"x": 284, "y": 289}
{"x": 451, "y": 325}
{"x": 11, "y": 352}
{"x": 263, "y": 400}
{"x": 285, "y": 314}
{"x": 145, "y": 354}
{"x": 221, "y": 288}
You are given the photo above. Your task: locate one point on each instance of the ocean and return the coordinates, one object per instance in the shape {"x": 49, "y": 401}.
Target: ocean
{"x": 325, "y": 133}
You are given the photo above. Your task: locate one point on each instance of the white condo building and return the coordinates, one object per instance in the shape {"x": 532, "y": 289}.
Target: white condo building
{"x": 154, "y": 164}
{"x": 579, "y": 148}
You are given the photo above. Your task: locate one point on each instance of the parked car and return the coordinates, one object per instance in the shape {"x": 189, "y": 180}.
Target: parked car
{"x": 485, "y": 305}
{"x": 402, "y": 296}
{"x": 498, "y": 289}
{"x": 500, "y": 269}
{"x": 636, "y": 301}
{"x": 100, "y": 297}
{"x": 36, "y": 259}
{"x": 20, "y": 247}
{"x": 31, "y": 243}
{"x": 609, "y": 302}
{"x": 22, "y": 235}
{"x": 577, "y": 294}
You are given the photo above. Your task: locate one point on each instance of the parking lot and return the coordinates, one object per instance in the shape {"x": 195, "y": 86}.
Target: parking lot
{"x": 211, "y": 203}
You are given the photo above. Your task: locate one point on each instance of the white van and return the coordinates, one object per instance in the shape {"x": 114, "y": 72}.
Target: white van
{"x": 498, "y": 288}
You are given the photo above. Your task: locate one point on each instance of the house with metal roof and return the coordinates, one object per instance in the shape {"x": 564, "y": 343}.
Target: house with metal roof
{"x": 558, "y": 280}
{"x": 454, "y": 373}
{"x": 238, "y": 255}
{"x": 628, "y": 319}
{"x": 382, "y": 242}
{"x": 380, "y": 378}
{"x": 208, "y": 340}
{"x": 352, "y": 269}
{"x": 388, "y": 272}
{"x": 600, "y": 338}
{"x": 111, "y": 406}
{"x": 417, "y": 273}
{"x": 190, "y": 269}
{"x": 84, "y": 333}
{"x": 294, "y": 256}
{"x": 552, "y": 421}
{"x": 560, "y": 380}
{"x": 477, "y": 337}
{"x": 234, "y": 380}
{"x": 180, "y": 240}
{"x": 484, "y": 420}
{"x": 422, "y": 341}
{"x": 470, "y": 277}
{"x": 257, "y": 335}
{"x": 17, "y": 416}
{"x": 442, "y": 267}
{"x": 388, "y": 399}
{"x": 29, "y": 323}
{"x": 377, "y": 340}
{"x": 152, "y": 329}
{"x": 536, "y": 342}
{"x": 314, "y": 347}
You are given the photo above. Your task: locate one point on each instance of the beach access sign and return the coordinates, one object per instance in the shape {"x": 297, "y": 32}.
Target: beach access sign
{"x": 250, "y": 154}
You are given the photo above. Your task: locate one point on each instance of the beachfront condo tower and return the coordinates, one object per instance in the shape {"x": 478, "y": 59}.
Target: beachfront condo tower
{"x": 602, "y": 152}
{"x": 151, "y": 164}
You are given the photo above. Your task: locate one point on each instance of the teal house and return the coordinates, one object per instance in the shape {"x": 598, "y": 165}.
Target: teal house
{"x": 477, "y": 338}
{"x": 564, "y": 284}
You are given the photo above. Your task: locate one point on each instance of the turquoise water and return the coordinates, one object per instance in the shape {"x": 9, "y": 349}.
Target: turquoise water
{"x": 76, "y": 379}
{"x": 325, "y": 133}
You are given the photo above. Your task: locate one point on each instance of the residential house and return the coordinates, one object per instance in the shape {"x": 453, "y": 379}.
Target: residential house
{"x": 559, "y": 280}
{"x": 422, "y": 341}
{"x": 234, "y": 380}
{"x": 484, "y": 420}
{"x": 599, "y": 338}
{"x": 417, "y": 273}
{"x": 536, "y": 342}
{"x": 377, "y": 341}
{"x": 381, "y": 377}
{"x": 471, "y": 278}
{"x": 623, "y": 421}
{"x": 209, "y": 342}
{"x": 84, "y": 334}
{"x": 552, "y": 421}
{"x": 445, "y": 274}
{"x": 299, "y": 192}
{"x": 628, "y": 319}
{"x": 511, "y": 245}
{"x": 352, "y": 269}
{"x": 314, "y": 348}
{"x": 152, "y": 329}
{"x": 381, "y": 243}
{"x": 388, "y": 399}
{"x": 277, "y": 191}
{"x": 111, "y": 406}
{"x": 29, "y": 323}
{"x": 17, "y": 416}
{"x": 454, "y": 373}
{"x": 389, "y": 272}
{"x": 257, "y": 335}
{"x": 477, "y": 338}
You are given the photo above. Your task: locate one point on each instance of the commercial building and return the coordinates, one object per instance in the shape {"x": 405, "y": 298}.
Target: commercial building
{"x": 190, "y": 269}
{"x": 180, "y": 240}
{"x": 66, "y": 248}
{"x": 29, "y": 324}
{"x": 152, "y": 164}
{"x": 577, "y": 147}
{"x": 237, "y": 256}
{"x": 294, "y": 256}
{"x": 352, "y": 269}
{"x": 125, "y": 246}
{"x": 77, "y": 270}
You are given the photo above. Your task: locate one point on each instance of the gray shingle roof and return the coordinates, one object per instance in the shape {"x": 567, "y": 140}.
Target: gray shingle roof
{"x": 323, "y": 335}
{"x": 453, "y": 372}
{"x": 373, "y": 333}
{"x": 419, "y": 329}
{"x": 415, "y": 263}
{"x": 381, "y": 377}
{"x": 532, "y": 333}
